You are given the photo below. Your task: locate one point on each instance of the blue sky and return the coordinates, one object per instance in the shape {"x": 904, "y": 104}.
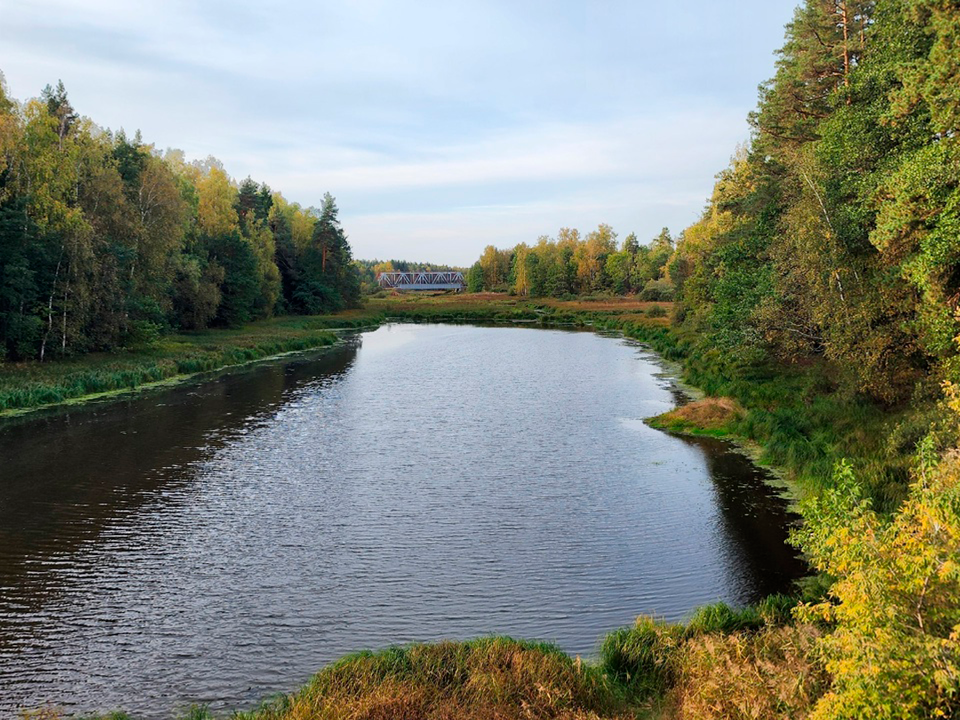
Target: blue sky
{"x": 440, "y": 127}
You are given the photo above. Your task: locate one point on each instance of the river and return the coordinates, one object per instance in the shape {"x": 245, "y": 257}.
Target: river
{"x": 219, "y": 542}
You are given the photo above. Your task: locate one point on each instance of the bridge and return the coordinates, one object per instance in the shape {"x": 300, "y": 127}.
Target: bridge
{"x": 447, "y": 280}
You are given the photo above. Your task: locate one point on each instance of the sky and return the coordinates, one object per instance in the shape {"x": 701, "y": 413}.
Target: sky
{"x": 440, "y": 127}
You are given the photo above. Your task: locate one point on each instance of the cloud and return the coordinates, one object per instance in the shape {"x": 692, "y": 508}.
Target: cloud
{"x": 456, "y": 121}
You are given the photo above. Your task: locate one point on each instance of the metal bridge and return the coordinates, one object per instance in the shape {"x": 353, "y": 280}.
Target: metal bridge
{"x": 422, "y": 280}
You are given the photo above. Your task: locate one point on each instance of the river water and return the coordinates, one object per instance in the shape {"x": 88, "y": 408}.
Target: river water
{"x": 218, "y": 543}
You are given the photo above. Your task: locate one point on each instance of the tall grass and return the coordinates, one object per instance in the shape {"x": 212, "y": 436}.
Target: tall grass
{"x": 723, "y": 663}
{"x": 486, "y": 678}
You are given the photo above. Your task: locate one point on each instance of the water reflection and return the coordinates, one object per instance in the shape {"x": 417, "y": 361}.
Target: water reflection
{"x": 219, "y": 542}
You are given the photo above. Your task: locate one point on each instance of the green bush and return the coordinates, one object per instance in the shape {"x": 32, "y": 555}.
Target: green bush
{"x": 641, "y": 657}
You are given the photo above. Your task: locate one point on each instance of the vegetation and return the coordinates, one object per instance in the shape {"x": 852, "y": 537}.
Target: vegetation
{"x": 816, "y": 301}
{"x": 106, "y": 243}
{"x": 485, "y": 678}
{"x": 31, "y": 385}
{"x": 571, "y": 265}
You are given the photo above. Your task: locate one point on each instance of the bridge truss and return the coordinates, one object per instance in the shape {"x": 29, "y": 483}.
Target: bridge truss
{"x": 451, "y": 280}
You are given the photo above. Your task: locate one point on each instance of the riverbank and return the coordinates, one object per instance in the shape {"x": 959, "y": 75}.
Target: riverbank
{"x": 790, "y": 417}
{"x": 29, "y": 386}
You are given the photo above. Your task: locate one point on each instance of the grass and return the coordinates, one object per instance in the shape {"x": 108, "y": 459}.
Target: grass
{"x": 484, "y": 678}
{"x": 709, "y": 416}
{"x": 752, "y": 662}
{"x": 770, "y": 674}
{"x": 31, "y": 385}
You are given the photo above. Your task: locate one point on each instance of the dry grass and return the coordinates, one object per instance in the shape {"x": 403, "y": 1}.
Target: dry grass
{"x": 709, "y": 414}
{"x": 491, "y": 678}
{"x": 772, "y": 674}
{"x": 501, "y": 301}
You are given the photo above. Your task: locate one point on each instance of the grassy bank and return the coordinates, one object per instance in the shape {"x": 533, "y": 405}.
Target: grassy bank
{"x": 33, "y": 385}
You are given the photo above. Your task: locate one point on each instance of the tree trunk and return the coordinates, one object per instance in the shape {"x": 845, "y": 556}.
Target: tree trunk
{"x": 63, "y": 327}
{"x": 53, "y": 290}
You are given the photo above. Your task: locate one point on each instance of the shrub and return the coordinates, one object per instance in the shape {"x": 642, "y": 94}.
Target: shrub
{"x": 642, "y": 657}
{"x": 895, "y": 649}
{"x": 657, "y": 290}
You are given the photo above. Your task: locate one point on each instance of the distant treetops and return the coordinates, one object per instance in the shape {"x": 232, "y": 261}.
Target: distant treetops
{"x": 572, "y": 264}
{"x": 106, "y": 241}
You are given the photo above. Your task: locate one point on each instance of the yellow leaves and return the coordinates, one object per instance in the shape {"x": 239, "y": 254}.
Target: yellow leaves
{"x": 895, "y": 649}
{"x": 947, "y": 569}
{"x": 215, "y": 213}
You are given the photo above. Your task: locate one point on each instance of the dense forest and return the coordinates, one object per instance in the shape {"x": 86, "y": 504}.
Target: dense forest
{"x": 835, "y": 233}
{"x": 104, "y": 241}
{"x": 833, "y": 242}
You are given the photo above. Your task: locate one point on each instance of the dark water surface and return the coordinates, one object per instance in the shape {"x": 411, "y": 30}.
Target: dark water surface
{"x": 220, "y": 542}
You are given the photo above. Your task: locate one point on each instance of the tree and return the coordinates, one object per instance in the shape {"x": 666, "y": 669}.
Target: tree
{"x": 474, "y": 278}
{"x": 216, "y": 215}
{"x": 895, "y": 649}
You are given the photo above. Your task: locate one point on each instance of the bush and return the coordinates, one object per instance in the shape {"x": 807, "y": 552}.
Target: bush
{"x": 642, "y": 657}
{"x": 895, "y": 649}
{"x": 657, "y": 291}
{"x": 657, "y": 311}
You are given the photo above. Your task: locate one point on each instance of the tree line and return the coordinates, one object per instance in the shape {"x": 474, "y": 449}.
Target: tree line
{"x": 836, "y": 232}
{"x": 575, "y": 264}
{"x": 105, "y": 241}
{"x": 833, "y": 241}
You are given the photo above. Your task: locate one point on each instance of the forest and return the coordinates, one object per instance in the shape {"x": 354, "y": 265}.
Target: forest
{"x": 107, "y": 242}
{"x": 575, "y": 264}
{"x": 833, "y": 234}
{"x": 832, "y": 241}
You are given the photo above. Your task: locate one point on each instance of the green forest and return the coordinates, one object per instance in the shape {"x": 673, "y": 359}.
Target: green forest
{"x": 106, "y": 242}
{"x": 834, "y": 232}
